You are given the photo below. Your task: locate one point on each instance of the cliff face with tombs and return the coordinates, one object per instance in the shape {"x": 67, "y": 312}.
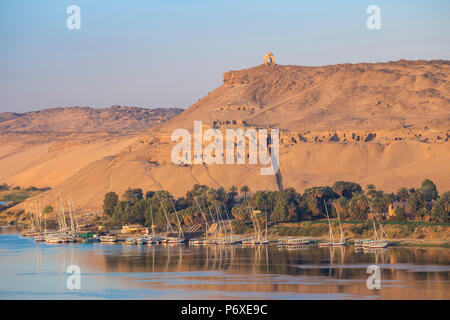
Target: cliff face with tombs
{"x": 382, "y": 123}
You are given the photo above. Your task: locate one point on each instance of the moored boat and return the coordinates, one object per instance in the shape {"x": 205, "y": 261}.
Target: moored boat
{"x": 197, "y": 242}
{"x": 53, "y": 239}
{"x": 373, "y": 244}
{"x": 248, "y": 240}
{"x": 325, "y": 244}
{"x": 152, "y": 240}
{"x": 175, "y": 240}
{"x": 40, "y": 238}
{"x": 361, "y": 242}
{"x": 108, "y": 239}
{"x": 141, "y": 241}
{"x": 130, "y": 241}
{"x": 29, "y": 233}
{"x": 294, "y": 242}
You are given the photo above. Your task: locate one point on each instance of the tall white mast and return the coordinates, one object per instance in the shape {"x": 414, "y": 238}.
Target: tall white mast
{"x": 165, "y": 213}
{"x": 203, "y": 215}
{"x": 329, "y": 223}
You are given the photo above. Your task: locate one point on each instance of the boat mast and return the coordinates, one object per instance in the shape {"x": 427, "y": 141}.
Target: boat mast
{"x": 212, "y": 217}
{"x": 43, "y": 218}
{"x": 33, "y": 219}
{"x": 203, "y": 215}
{"x": 382, "y": 230}
{"x": 72, "y": 227}
{"x": 180, "y": 231}
{"x": 221, "y": 228}
{"x": 165, "y": 213}
{"x": 38, "y": 221}
{"x": 63, "y": 215}
{"x": 40, "y": 216}
{"x": 374, "y": 223}
{"x": 340, "y": 227}
{"x": 254, "y": 222}
{"x": 266, "y": 226}
{"x": 153, "y": 226}
{"x": 329, "y": 223}
{"x": 74, "y": 215}
{"x": 228, "y": 218}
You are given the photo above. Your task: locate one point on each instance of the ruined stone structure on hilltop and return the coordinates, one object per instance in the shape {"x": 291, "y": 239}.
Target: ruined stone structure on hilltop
{"x": 269, "y": 59}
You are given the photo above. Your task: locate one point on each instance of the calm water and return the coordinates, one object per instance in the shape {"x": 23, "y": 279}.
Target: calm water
{"x": 30, "y": 270}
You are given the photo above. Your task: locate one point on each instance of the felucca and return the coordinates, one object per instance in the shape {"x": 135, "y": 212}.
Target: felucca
{"x": 331, "y": 243}
{"x": 378, "y": 241}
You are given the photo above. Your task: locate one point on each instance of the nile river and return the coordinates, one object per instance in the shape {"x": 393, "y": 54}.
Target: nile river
{"x": 30, "y": 270}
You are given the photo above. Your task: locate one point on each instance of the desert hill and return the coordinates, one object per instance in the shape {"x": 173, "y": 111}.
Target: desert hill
{"x": 381, "y": 123}
{"x": 347, "y": 96}
{"x": 86, "y": 119}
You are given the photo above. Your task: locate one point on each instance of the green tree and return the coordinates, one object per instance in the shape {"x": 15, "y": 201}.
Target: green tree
{"x": 441, "y": 208}
{"x": 313, "y": 201}
{"x": 133, "y": 195}
{"x": 138, "y": 212}
{"x": 429, "y": 190}
{"x": 358, "y": 206}
{"x": 399, "y": 214}
{"x": 245, "y": 190}
{"x": 122, "y": 212}
{"x": 242, "y": 213}
{"x": 232, "y": 193}
{"x": 402, "y": 194}
{"x": 371, "y": 191}
{"x": 280, "y": 212}
{"x": 149, "y": 195}
{"x": 417, "y": 204}
{"x": 346, "y": 189}
{"x": 109, "y": 203}
{"x": 340, "y": 205}
{"x": 380, "y": 203}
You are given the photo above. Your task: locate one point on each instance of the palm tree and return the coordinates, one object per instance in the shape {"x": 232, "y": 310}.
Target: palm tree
{"x": 244, "y": 190}
{"x": 403, "y": 194}
{"x": 340, "y": 205}
{"x": 232, "y": 192}
{"x": 371, "y": 191}
{"x": 358, "y": 206}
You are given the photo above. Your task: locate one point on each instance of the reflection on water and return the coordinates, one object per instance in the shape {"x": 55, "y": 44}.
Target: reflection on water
{"x": 37, "y": 270}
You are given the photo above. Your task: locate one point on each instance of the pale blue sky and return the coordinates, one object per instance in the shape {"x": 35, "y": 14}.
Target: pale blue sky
{"x": 171, "y": 53}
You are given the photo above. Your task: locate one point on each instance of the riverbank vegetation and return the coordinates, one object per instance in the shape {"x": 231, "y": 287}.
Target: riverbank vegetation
{"x": 346, "y": 200}
{"x": 11, "y": 196}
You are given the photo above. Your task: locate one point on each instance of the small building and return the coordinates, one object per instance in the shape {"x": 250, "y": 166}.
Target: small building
{"x": 134, "y": 229}
{"x": 407, "y": 208}
{"x": 395, "y": 205}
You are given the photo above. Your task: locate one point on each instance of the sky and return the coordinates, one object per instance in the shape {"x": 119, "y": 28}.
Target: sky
{"x": 170, "y": 53}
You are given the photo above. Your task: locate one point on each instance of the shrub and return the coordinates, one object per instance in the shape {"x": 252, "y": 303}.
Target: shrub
{"x": 16, "y": 197}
